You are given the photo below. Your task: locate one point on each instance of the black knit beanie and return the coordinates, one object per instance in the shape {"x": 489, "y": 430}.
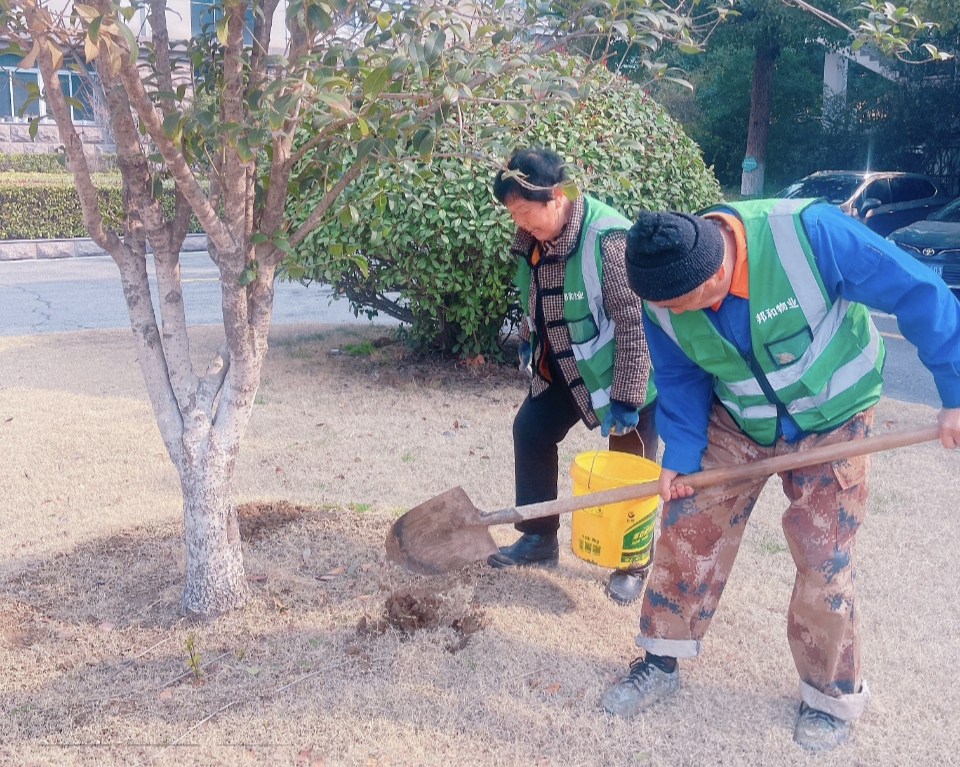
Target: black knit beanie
{"x": 670, "y": 254}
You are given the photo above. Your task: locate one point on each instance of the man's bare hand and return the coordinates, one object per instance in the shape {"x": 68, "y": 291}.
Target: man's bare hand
{"x": 949, "y": 420}
{"x": 671, "y": 488}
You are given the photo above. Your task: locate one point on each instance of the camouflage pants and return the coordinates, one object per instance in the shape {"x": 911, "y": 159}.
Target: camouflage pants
{"x": 700, "y": 537}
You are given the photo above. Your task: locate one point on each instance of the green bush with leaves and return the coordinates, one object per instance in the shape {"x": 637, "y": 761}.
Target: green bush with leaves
{"x": 50, "y": 163}
{"x": 37, "y": 206}
{"x": 425, "y": 241}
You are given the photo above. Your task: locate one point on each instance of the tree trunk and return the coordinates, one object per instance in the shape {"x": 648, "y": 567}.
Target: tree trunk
{"x": 754, "y": 163}
{"x": 215, "y": 580}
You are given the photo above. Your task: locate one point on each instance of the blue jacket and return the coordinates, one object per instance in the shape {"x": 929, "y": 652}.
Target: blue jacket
{"x": 854, "y": 263}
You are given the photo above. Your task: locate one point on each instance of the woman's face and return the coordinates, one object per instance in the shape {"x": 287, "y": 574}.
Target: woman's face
{"x": 544, "y": 220}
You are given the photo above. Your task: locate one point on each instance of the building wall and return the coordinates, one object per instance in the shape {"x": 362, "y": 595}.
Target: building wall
{"x": 15, "y": 139}
{"x": 96, "y": 136}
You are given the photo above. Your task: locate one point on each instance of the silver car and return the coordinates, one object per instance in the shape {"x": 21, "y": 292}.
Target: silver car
{"x": 883, "y": 200}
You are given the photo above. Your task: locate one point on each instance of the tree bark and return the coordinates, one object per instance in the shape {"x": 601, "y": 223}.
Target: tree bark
{"x": 751, "y": 182}
{"x": 215, "y": 580}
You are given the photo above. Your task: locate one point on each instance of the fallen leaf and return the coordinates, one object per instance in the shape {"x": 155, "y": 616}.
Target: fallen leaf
{"x": 352, "y": 650}
{"x": 253, "y": 670}
{"x": 166, "y": 694}
{"x": 257, "y": 577}
{"x": 551, "y": 689}
{"x": 339, "y": 570}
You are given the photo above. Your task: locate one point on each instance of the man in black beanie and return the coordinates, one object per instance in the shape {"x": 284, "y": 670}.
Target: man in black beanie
{"x": 756, "y": 318}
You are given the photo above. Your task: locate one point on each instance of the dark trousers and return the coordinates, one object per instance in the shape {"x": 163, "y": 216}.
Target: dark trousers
{"x": 540, "y": 425}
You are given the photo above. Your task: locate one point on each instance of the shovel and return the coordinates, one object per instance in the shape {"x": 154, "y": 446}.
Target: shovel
{"x": 448, "y": 532}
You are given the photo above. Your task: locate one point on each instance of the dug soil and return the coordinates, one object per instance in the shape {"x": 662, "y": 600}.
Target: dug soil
{"x": 340, "y": 657}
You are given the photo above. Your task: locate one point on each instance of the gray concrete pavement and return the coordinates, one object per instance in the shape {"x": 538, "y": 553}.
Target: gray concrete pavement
{"x": 50, "y": 295}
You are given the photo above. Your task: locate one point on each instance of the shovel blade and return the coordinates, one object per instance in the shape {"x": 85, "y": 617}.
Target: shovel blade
{"x": 441, "y": 535}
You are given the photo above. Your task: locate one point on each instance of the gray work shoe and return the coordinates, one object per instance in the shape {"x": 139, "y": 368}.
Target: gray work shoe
{"x": 625, "y": 585}
{"x": 643, "y": 686}
{"x": 818, "y": 730}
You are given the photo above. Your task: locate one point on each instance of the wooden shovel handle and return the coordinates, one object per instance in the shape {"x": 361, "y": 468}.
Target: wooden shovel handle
{"x": 762, "y": 468}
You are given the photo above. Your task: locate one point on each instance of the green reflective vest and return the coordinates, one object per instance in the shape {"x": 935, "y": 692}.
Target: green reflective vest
{"x": 814, "y": 362}
{"x": 590, "y": 328}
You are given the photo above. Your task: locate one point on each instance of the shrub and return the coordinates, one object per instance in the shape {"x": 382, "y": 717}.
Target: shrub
{"x": 46, "y": 206}
{"x": 49, "y": 163}
{"x": 431, "y": 245}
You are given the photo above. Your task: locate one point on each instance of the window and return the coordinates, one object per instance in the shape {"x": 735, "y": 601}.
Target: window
{"x": 208, "y": 12}
{"x": 905, "y": 189}
{"x": 76, "y": 87}
{"x": 14, "y": 93}
{"x": 879, "y": 189}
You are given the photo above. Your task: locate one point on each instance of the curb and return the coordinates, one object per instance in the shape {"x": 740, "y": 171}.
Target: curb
{"x": 79, "y": 247}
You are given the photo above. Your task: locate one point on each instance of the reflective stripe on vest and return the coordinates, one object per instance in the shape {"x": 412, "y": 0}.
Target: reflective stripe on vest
{"x": 817, "y": 394}
{"x": 590, "y": 327}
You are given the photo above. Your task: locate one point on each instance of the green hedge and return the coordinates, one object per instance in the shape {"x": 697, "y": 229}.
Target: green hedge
{"x": 48, "y": 163}
{"x": 46, "y": 206}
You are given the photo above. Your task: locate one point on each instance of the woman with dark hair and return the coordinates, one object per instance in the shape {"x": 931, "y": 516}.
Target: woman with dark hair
{"x": 581, "y": 342}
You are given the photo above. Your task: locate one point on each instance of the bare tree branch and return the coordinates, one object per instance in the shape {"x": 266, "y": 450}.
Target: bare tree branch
{"x": 176, "y": 162}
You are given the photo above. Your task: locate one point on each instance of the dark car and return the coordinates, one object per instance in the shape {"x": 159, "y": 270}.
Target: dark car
{"x": 883, "y": 200}
{"x": 935, "y": 242}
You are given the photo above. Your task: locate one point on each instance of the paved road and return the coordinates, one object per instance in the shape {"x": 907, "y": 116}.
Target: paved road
{"x": 84, "y": 293}
{"x": 904, "y": 376}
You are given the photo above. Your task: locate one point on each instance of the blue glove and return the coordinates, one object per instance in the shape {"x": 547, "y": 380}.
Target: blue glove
{"x": 526, "y": 355}
{"x": 620, "y": 419}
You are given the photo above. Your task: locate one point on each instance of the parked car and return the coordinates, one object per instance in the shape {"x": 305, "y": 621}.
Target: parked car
{"x": 883, "y": 200}
{"x": 935, "y": 242}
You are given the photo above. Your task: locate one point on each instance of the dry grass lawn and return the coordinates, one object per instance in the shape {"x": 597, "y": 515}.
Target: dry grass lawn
{"x": 341, "y": 658}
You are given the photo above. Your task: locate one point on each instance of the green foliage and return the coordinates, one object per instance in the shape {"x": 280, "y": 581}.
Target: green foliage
{"x": 46, "y": 205}
{"x": 907, "y": 125}
{"x": 32, "y": 163}
{"x": 362, "y": 349}
{"x": 48, "y": 163}
{"x": 194, "y": 668}
{"x": 716, "y": 113}
{"x": 426, "y": 242}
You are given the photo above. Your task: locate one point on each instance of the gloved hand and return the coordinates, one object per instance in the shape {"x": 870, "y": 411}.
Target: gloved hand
{"x": 526, "y": 355}
{"x": 620, "y": 419}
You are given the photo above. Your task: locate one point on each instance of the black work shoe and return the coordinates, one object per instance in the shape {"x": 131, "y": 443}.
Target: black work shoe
{"x": 818, "y": 730}
{"x": 642, "y": 687}
{"x": 530, "y": 549}
{"x": 625, "y": 586}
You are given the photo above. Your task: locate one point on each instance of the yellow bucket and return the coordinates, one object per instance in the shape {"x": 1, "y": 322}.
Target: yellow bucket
{"x": 619, "y": 534}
